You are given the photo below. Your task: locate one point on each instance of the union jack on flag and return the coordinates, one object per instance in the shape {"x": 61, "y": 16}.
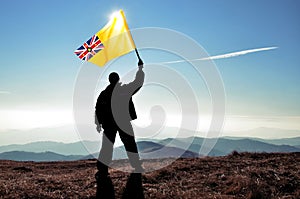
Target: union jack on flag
{"x": 89, "y": 48}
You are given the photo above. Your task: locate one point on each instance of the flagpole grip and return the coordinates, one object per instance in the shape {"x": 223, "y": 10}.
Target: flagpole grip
{"x": 140, "y": 63}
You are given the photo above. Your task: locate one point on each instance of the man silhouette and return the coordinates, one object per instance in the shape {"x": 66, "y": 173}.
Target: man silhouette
{"x": 114, "y": 112}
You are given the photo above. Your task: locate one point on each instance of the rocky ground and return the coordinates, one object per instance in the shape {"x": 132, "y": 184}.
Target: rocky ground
{"x": 239, "y": 175}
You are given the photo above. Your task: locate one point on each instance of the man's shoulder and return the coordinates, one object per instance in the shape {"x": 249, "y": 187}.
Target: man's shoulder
{"x": 103, "y": 93}
{"x": 106, "y": 90}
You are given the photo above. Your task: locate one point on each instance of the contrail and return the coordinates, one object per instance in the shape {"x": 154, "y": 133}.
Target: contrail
{"x": 223, "y": 56}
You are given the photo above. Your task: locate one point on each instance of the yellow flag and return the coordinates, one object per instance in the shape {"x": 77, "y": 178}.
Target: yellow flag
{"x": 110, "y": 42}
{"x": 116, "y": 40}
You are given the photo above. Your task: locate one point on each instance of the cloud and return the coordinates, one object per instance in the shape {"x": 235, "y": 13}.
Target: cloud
{"x": 224, "y": 56}
{"x": 4, "y": 92}
{"x": 239, "y": 53}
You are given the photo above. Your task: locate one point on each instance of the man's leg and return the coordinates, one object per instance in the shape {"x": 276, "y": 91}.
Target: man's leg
{"x": 105, "y": 156}
{"x": 130, "y": 146}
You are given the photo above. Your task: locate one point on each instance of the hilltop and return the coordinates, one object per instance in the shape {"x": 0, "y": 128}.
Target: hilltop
{"x": 239, "y": 175}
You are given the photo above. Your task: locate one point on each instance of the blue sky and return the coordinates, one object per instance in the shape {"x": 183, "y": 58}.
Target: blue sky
{"x": 38, "y": 67}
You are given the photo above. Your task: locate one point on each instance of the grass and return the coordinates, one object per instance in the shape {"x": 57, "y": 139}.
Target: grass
{"x": 239, "y": 175}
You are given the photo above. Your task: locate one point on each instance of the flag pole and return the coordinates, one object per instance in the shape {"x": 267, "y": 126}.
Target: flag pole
{"x": 138, "y": 55}
{"x": 140, "y": 63}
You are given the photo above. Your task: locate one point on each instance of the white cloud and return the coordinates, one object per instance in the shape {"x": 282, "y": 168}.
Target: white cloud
{"x": 224, "y": 56}
{"x": 234, "y": 54}
{"x": 5, "y": 92}
{"x": 25, "y": 119}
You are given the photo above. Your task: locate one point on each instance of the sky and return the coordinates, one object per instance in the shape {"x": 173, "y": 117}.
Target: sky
{"x": 39, "y": 69}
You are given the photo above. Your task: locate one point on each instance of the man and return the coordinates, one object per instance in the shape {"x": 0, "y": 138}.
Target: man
{"x": 114, "y": 112}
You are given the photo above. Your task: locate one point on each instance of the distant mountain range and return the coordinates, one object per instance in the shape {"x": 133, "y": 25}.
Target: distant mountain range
{"x": 76, "y": 148}
{"x": 152, "y": 150}
{"x": 177, "y": 147}
{"x": 38, "y": 157}
{"x": 225, "y": 146}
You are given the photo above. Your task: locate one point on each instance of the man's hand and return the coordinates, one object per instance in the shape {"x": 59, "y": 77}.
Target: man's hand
{"x": 99, "y": 128}
{"x": 140, "y": 64}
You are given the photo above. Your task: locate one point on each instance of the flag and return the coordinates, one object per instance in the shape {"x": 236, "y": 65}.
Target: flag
{"x": 112, "y": 41}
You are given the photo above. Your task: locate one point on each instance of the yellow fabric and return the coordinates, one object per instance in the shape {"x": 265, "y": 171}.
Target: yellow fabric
{"x": 116, "y": 39}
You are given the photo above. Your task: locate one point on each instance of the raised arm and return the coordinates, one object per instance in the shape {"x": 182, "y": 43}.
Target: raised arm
{"x": 137, "y": 83}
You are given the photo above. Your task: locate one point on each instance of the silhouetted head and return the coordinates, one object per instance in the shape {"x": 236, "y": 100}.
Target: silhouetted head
{"x": 113, "y": 78}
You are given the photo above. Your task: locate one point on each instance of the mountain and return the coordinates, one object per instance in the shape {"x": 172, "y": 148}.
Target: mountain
{"x": 38, "y": 157}
{"x": 250, "y": 145}
{"x": 270, "y": 132}
{"x": 150, "y": 150}
{"x": 225, "y": 146}
{"x": 76, "y": 148}
{"x": 192, "y": 144}
{"x": 294, "y": 141}
{"x": 285, "y": 141}
{"x": 170, "y": 147}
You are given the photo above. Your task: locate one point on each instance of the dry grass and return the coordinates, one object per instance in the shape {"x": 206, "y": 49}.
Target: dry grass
{"x": 245, "y": 175}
